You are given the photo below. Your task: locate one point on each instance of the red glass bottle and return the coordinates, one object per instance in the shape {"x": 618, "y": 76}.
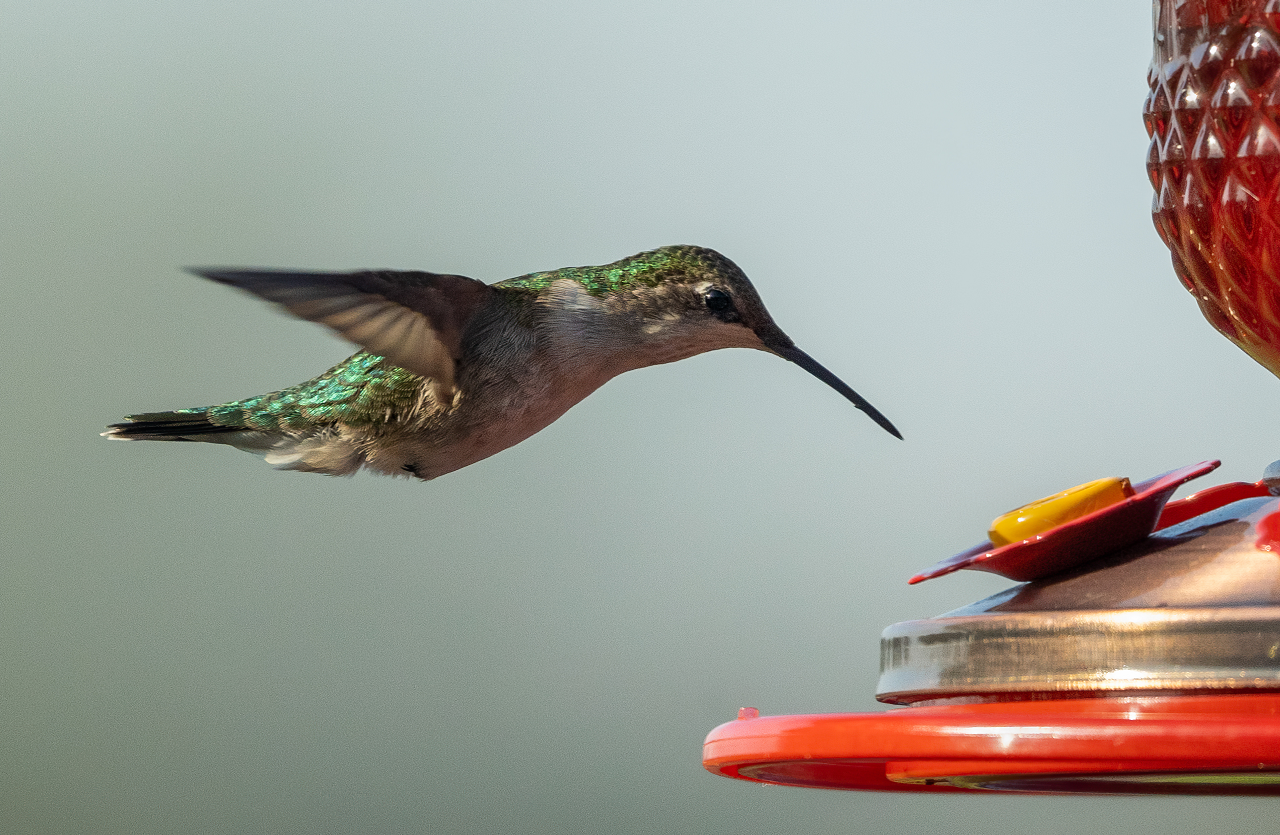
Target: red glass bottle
{"x": 1213, "y": 116}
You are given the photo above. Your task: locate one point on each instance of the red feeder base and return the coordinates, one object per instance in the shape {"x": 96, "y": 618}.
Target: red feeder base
{"x": 1209, "y": 744}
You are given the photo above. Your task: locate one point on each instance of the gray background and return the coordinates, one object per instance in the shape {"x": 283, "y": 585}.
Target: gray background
{"x": 943, "y": 202}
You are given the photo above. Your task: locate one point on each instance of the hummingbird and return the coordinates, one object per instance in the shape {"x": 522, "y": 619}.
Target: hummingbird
{"x": 452, "y": 370}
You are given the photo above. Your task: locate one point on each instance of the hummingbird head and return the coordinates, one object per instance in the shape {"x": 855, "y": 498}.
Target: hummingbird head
{"x": 680, "y": 301}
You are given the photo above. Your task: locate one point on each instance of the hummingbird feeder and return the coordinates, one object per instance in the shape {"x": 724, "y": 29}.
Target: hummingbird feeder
{"x": 1140, "y": 655}
{"x": 1140, "y": 652}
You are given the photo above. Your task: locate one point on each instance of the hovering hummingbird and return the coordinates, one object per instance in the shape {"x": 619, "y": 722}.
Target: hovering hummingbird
{"x": 454, "y": 370}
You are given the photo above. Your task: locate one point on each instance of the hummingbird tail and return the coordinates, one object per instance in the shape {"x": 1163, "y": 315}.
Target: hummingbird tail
{"x": 188, "y": 425}
{"x": 318, "y": 453}
{"x": 184, "y": 425}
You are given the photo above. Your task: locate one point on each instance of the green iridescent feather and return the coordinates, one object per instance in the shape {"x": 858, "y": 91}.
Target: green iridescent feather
{"x": 358, "y": 392}
{"x": 648, "y": 269}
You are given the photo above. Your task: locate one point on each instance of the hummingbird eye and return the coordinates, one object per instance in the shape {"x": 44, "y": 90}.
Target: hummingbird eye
{"x": 717, "y": 300}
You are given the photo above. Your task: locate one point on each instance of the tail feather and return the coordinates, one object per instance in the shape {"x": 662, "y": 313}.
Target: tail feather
{"x": 190, "y": 425}
{"x": 184, "y": 425}
{"x": 322, "y": 452}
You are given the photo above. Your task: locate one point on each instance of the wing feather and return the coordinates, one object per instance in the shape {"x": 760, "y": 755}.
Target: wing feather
{"x": 414, "y": 319}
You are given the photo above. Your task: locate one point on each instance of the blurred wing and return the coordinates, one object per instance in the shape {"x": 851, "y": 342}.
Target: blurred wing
{"x": 414, "y": 319}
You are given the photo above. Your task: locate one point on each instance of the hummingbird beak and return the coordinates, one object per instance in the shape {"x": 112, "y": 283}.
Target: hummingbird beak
{"x": 808, "y": 363}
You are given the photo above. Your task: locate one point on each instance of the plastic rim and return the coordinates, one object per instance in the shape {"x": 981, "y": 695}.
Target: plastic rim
{"x": 1224, "y": 744}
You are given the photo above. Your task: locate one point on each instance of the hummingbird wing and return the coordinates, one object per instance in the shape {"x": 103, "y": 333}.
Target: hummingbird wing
{"x": 414, "y": 319}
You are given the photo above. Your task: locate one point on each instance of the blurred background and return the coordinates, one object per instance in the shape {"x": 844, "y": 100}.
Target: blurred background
{"x": 944, "y": 203}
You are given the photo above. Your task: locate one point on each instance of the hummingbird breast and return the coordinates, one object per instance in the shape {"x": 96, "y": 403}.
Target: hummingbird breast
{"x": 517, "y": 374}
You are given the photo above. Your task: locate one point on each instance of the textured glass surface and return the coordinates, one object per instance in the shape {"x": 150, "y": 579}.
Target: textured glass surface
{"x": 1214, "y": 161}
